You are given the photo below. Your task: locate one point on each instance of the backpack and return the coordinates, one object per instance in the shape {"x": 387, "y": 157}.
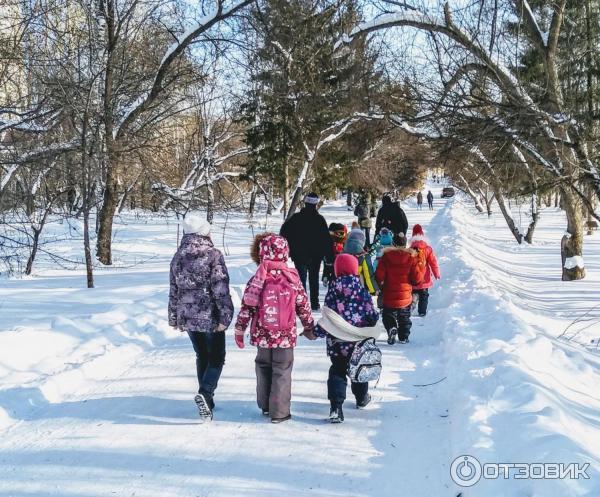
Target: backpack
{"x": 417, "y": 274}
{"x": 365, "y": 362}
{"x": 277, "y": 304}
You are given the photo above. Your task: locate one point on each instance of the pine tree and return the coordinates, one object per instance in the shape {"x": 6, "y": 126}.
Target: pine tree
{"x": 305, "y": 95}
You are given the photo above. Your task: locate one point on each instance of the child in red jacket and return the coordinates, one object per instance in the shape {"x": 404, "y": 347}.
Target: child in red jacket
{"x": 398, "y": 270}
{"x": 432, "y": 270}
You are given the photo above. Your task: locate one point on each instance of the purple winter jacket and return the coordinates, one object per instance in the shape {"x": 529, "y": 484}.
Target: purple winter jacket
{"x": 199, "y": 298}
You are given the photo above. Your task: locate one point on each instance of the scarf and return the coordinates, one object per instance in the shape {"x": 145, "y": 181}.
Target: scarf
{"x": 339, "y": 328}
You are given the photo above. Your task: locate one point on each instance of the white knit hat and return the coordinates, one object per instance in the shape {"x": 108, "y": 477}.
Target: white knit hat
{"x": 312, "y": 199}
{"x": 195, "y": 222}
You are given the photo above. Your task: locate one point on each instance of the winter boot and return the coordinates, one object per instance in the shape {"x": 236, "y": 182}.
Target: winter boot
{"x": 281, "y": 420}
{"x": 364, "y": 402}
{"x": 204, "y": 409}
{"x": 392, "y": 336}
{"x": 336, "y": 415}
{"x": 403, "y": 340}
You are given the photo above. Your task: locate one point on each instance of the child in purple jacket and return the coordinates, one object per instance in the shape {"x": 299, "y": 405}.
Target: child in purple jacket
{"x": 348, "y": 298}
{"x": 200, "y": 305}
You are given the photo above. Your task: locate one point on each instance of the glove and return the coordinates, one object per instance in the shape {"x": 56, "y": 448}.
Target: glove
{"x": 309, "y": 334}
{"x": 239, "y": 341}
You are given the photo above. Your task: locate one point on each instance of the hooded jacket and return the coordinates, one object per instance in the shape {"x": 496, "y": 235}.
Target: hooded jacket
{"x": 199, "y": 298}
{"x": 391, "y": 216}
{"x": 348, "y": 298}
{"x": 398, "y": 270}
{"x": 431, "y": 268}
{"x": 273, "y": 254}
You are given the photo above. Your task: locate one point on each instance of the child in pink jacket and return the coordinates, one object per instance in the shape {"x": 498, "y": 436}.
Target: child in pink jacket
{"x": 271, "y": 301}
{"x": 432, "y": 270}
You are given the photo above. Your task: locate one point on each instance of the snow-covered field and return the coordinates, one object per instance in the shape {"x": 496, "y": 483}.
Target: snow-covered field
{"x": 96, "y": 390}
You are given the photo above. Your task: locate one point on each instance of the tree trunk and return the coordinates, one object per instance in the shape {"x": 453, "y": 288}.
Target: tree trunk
{"x": 34, "y": 250}
{"x": 470, "y": 193}
{"x": 295, "y": 202}
{"x": 535, "y": 215}
{"x": 286, "y": 188}
{"x": 571, "y": 246}
{"x": 111, "y": 196}
{"x": 210, "y": 203}
{"x": 512, "y": 226}
{"x": 105, "y": 219}
{"x": 270, "y": 197}
{"x": 89, "y": 268}
{"x": 252, "y": 204}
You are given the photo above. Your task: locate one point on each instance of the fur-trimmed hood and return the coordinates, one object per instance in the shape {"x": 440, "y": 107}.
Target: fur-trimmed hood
{"x": 418, "y": 241}
{"x": 410, "y": 251}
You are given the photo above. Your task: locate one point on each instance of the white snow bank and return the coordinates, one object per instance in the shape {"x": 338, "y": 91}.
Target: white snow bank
{"x": 521, "y": 395}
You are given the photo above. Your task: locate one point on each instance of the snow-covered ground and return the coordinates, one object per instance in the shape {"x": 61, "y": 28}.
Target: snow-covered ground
{"x": 96, "y": 390}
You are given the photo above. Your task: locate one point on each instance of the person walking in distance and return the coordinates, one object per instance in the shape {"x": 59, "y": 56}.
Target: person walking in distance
{"x": 364, "y": 220}
{"x": 430, "y": 200}
{"x": 420, "y": 201}
{"x": 200, "y": 305}
{"x": 309, "y": 241}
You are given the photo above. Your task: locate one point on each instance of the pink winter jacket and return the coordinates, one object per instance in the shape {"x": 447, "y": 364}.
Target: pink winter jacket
{"x": 419, "y": 243}
{"x": 262, "y": 337}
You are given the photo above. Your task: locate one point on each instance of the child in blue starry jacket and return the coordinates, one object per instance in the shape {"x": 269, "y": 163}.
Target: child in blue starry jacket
{"x": 348, "y": 298}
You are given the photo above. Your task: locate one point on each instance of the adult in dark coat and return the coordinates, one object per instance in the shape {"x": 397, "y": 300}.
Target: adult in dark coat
{"x": 308, "y": 237}
{"x": 362, "y": 212}
{"x": 391, "y": 216}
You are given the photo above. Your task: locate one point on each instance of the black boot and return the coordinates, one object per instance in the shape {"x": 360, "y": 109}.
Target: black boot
{"x": 336, "y": 415}
{"x": 364, "y": 402}
{"x": 392, "y": 336}
{"x": 204, "y": 409}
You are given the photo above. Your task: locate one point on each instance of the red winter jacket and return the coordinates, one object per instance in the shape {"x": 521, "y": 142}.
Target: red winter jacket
{"x": 418, "y": 242}
{"x": 397, "y": 272}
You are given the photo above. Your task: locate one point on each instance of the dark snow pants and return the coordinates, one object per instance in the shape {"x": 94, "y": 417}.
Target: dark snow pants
{"x": 210, "y": 358}
{"x": 399, "y": 319}
{"x": 337, "y": 382}
{"x": 367, "y": 232}
{"x": 274, "y": 380}
{"x": 311, "y": 269}
{"x": 423, "y": 301}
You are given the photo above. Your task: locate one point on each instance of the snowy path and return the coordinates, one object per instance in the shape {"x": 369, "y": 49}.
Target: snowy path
{"x": 118, "y": 418}
{"x": 129, "y": 428}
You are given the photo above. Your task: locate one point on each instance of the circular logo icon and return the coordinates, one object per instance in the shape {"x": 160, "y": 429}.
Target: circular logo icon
{"x": 465, "y": 471}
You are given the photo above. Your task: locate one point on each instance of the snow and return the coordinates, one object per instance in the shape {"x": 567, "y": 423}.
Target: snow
{"x": 96, "y": 390}
{"x": 412, "y": 17}
{"x": 542, "y": 35}
{"x": 573, "y": 262}
{"x": 7, "y": 176}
